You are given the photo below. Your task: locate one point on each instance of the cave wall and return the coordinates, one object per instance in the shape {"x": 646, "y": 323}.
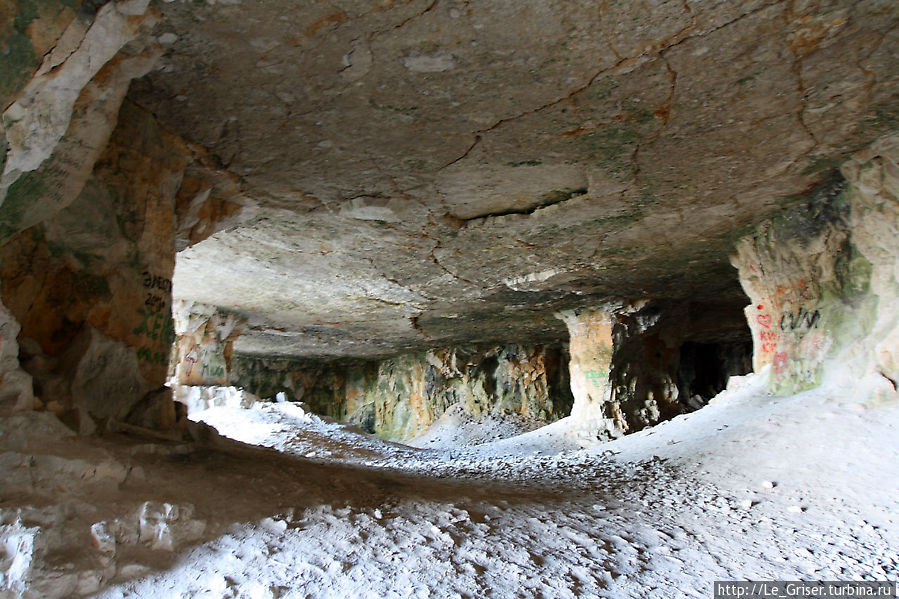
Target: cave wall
{"x": 400, "y": 397}
{"x": 85, "y": 210}
{"x": 672, "y": 357}
{"x": 93, "y": 194}
{"x": 822, "y": 277}
{"x": 322, "y": 386}
{"x": 91, "y": 285}
{"x": 16, "y": 386}
{"x": 58, "y": 116}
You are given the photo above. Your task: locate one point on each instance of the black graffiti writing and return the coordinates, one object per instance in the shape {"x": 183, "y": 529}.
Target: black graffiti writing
{"x": 152, "y": 281}
{"x": 801, "y": 319}
{"x": 155, "y": 303}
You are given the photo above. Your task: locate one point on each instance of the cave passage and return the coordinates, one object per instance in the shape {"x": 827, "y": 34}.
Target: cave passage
{"x": 446, "y": 299}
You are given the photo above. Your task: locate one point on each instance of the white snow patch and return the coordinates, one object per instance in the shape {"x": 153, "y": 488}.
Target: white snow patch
{"x": 750, "y": 487}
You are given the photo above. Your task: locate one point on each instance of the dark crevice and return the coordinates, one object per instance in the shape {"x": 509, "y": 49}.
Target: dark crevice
{"x": 551, "y": 200}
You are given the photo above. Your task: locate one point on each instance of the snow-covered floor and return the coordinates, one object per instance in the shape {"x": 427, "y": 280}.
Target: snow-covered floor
{"x": 750, "y": 487}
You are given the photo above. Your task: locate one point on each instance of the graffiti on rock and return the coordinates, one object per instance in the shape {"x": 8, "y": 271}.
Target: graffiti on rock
{"x": 191, "y": 357}
{"x": 146, "y": 354}
{"x": 156, "y": 302}
{"x": 767, "y": 338}
{"x": 596, "y": 377}
{"x": 152, "y": 281}
{"x": 212, "y": 370}
{"x": 156, "y": 326}
{"x": 769, "y": 341}
{"x": 802, "y": 319}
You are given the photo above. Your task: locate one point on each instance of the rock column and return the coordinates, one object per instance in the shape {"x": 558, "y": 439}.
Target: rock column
{"x": 205, "y": 344}
{"x": 822, "y": 279}
{"x": 590, "y": 362}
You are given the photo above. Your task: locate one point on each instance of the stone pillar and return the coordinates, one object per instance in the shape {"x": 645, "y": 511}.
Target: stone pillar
{"x": 822, "y": 279}
{"x": 873, "y": 176}
{"x": 205, "y": 344}
{"x": 788, "y": 278}
{"x": 590, "y": 362}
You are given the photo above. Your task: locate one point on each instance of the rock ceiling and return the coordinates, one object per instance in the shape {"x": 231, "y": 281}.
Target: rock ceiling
{"x": 424, "y": 173}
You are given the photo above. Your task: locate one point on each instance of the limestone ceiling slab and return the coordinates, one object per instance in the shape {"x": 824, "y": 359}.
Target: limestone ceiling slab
{"x": 429, "y": 171}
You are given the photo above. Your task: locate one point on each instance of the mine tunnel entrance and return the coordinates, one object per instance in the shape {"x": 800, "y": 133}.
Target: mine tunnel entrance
{"x": 706, "y": 367}
{"x": 671, "y": 357}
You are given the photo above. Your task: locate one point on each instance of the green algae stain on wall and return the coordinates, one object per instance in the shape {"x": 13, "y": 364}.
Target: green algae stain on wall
{"x": 22, "y": 195}
{"x": 26, "y": 34}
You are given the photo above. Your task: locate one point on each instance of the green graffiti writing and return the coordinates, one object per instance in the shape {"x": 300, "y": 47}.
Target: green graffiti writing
{"x": 155, "y": 326}
{"x": 596, "y": 377}
{"x": 212, "y": 370}
{"x": 147, "y": 355}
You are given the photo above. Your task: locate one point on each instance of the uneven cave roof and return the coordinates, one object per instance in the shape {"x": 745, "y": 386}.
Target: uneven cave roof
{"x": 432, "y": 172}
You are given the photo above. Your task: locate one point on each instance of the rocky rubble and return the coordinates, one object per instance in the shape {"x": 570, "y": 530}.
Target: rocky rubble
{"x": 55, "y": 538}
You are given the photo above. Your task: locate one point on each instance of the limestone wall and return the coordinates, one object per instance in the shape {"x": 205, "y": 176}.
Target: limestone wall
{"x": 62, "y": 113}
{"x": 873, "y": 177}
{"x": 15, "y": 384}
{"x": 400, "y": 397}
{"x": 91, "y": 284}
{"x": 822, "y": 277}
{"x": 91, "y": 202}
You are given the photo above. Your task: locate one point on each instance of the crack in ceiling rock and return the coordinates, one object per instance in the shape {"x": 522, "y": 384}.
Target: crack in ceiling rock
{"x": 425, "y": 159}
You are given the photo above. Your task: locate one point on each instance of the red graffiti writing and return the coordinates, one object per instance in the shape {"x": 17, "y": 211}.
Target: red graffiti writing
{"x": 764, "y": 320}
{"x": 192, "y": 358}
{"x": 769, "y": 341}
{"x": 780, "y": 362}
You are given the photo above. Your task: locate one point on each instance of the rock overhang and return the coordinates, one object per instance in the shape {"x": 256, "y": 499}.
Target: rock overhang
{"x": 428, "y": 174}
